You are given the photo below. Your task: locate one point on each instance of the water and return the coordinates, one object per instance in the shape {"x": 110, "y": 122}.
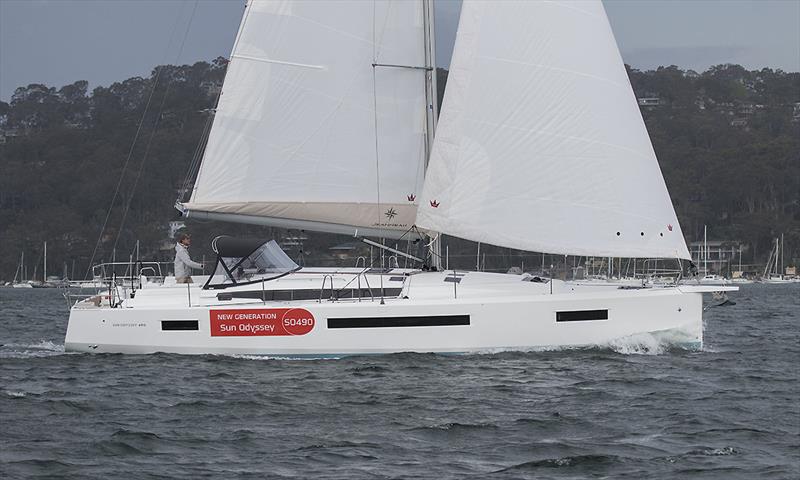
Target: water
{"x": 636, "y": 409}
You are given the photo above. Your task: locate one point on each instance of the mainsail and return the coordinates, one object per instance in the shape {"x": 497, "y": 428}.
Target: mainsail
{"x": 323, "y": 119}
{"x": 540, "y": 145}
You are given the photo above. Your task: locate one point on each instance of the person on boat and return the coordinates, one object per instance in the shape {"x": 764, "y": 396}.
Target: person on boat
{"x": 183, "y": 262}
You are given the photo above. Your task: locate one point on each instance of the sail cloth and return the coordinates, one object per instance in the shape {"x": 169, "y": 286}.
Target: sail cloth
{"x": 307, "y": 133}
{"x": 540, "y": 145}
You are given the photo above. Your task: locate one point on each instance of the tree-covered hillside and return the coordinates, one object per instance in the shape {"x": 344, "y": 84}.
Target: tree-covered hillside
{"x": 728, "y": 141}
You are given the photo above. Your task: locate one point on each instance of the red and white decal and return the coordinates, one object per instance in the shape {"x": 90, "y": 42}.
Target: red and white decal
{"x": 261, "y": 322}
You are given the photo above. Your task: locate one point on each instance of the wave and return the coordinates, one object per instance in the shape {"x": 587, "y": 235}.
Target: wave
{"x": 657, "y": 343}
{"x": 714, "y": 452}
{"x": 118, "y": 448}
{"x": 577, "y": 461}
{"x": 458, "y": 427}
{"x": 43, "y": 348}
{"x": 341, "y": 444}
{"x": 242, "y": 356}
{"x": 134, "y": 434}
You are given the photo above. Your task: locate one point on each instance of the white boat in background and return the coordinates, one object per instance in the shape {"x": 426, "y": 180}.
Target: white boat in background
{"x": 713, "y": 279}
{"x": 778, "y": 280}
{"x": 741, "y": 281}
{"x": 738, "y": 277}
{"x": 326, "y": 123}
{"x": 95, "y": 283}
{"x": 774, "y": 271}
{"x": 20, "y": 273}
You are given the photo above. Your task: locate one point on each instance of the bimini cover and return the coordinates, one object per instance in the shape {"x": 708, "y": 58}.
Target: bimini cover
{"x": 241, "y": 261}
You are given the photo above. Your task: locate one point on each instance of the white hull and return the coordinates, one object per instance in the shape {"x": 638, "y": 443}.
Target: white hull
{"x": 780, "y": 281}
{"x": 491, "y": 312}
{"x": 712, "y": 280}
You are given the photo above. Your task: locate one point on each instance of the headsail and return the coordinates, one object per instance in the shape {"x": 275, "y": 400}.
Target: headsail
{"x": 309, "y": 133}
{"x": 540, "y": 145}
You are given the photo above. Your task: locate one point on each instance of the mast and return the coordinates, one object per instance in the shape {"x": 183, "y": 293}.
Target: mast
{"x": 740, "y": 258}
{"x": 19, "y": 267}
{"x": 705, "y": 249}
{"x": 432, "y": 109}
{"x": 44, "y": 270}
{"x": 768, "y": 266}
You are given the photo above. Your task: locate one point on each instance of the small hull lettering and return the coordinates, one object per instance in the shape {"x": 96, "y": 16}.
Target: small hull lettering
{"x": 261, "y": 322}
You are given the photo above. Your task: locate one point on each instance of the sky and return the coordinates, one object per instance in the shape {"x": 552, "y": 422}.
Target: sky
{"x": 57, "y": 42}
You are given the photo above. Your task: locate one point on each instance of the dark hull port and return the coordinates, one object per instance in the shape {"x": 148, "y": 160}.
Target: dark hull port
{"x": 581, "y": 315}
{"x": 381, "y": 322}
{"x": 167, "y": 325}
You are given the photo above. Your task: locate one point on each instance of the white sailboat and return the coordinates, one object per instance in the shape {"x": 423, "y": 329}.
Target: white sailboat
{"x": 326, "y": 123}
{"x": 773, "y": 272}
{"x": 738, "y": 276}
{"x": 20, "y": 272}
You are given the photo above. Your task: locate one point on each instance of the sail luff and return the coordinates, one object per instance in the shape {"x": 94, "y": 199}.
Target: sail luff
{"x": 432, "y": 113}
{"x": 179, "y": 206}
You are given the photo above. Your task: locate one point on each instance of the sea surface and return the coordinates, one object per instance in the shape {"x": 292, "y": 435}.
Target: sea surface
{"x": 640, "y": 408}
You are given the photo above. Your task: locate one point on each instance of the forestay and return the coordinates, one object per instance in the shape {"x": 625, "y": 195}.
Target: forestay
{"x": 308, "y": 133}
{"x": 540, "y": 145}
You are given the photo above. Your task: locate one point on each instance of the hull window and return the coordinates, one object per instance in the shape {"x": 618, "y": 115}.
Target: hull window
{"x": 379, "y": 322}
{"x": 179, "y": 325}
{"x": 581, "y": 315}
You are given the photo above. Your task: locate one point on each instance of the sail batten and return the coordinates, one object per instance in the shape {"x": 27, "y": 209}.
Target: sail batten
{"x": 540, "y": 145}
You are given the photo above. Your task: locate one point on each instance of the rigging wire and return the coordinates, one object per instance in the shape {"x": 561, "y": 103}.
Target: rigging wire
{"x": 194, "y": 166}
{"x": 155, "y": 128}
{"x": 375, "y": 118}
{"x": 198, "y": 154}
{"x": 129, "y": 156}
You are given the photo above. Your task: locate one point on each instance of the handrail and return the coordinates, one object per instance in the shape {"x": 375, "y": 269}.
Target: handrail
{"x": 137, "y": 265}
{"x": 366, "y": 280}
{"x": 322, "y": 289}
{"x": 359, "y": 259}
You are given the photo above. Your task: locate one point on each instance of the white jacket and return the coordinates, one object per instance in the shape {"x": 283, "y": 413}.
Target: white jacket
{"x": 183, "y": 263}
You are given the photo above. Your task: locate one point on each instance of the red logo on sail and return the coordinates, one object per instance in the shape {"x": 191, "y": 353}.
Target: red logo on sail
{"x": 669, "y": 227}
{"x": 411, "y": 197}
{"x": 434, "y": 204}
{"x": 261, "y": 322}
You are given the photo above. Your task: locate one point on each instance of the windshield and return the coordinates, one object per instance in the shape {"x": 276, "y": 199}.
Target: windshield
{"x": 266, "y": 262}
